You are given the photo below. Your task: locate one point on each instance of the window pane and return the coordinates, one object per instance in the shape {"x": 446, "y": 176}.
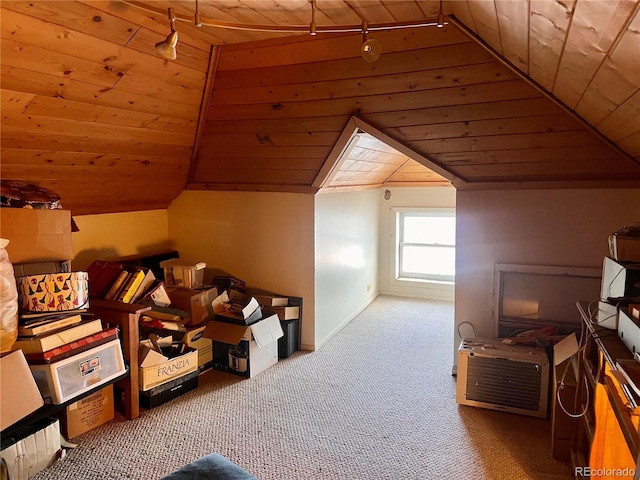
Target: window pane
{"x": 434, "y": 230}
{"x": 428, "y": 260}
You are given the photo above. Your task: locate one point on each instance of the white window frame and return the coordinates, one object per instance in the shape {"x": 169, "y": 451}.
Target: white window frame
{"x": 399, "y": 215}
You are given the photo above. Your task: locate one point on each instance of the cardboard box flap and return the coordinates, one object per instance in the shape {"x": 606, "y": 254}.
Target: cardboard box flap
{"x": 219, "y": 301}
{"x": 267, "y": 330}
{"x": 251, "y": 311}
{"x": 19, "y": 393}
{"x": 225, "y": 332}
{"x": 564, "y": 349}
{"x": 251, "y": 307}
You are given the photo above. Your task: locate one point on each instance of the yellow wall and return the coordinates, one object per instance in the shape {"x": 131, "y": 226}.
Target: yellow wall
{"x": 265, "y": 239}
{"x": 114, "y": 235}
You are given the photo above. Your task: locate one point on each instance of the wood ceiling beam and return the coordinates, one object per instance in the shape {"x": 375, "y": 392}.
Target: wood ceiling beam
{"x": 472, "y": 35}
{"x": 347, "y": 142}
{"x": 214, "y": 55}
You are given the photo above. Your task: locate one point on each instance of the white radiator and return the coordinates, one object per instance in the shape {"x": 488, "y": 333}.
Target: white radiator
{"x": 503, "y": 377}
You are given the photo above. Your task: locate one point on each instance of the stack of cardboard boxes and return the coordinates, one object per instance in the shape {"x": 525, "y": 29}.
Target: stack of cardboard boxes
{"x": 40, "y": 250}
{"x": 224, "y": 326}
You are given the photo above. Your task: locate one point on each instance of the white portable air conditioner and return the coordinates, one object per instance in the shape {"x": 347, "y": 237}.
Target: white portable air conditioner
{"x": 498, "y": 376}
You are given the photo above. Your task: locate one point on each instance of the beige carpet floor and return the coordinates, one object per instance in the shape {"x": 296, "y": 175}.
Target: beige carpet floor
{"x": 376, "y": 402}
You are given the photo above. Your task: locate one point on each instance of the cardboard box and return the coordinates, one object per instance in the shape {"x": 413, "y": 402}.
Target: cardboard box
{"x": 194, "y": 338}
{"x": 88, "y": 413}
{"x": 245, "y": 350}
{"x": 234, "y": 307}
{"x": 36, "y": 268}
{"x": 197, "y": 302}
{"x": 53, "y": 292}
{"x": 19, "y": 393}
{"x": 36, "y": 235}
{"x": 149, "y": 357}
{"x": 168, "y": 391}
{"x": 164, "y": 372}
{"x": 291, "y": 312}
{"x": 38, "y": 449}
{"x": 624, "y": 248}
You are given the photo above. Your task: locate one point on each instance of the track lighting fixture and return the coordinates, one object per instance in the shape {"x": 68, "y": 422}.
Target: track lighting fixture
{"x": 312, "y": 25}
{"x": 371, "y": 48}
{"x": 167, "y": 48}
{"x": 196, "y": 16}
{"x": 440, "y": 21}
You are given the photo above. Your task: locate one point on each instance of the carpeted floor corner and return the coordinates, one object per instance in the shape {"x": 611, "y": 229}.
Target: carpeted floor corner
{"x": 376, "y": 402}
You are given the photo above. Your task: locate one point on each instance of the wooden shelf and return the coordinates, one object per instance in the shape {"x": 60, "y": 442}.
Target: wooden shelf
{"x": 607, "y": 436}
{"x": 125, "y": 316}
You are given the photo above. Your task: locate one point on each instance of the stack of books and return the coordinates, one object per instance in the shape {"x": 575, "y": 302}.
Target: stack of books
{"x": 126, "y": 283}
{"x": 50, "y": 338}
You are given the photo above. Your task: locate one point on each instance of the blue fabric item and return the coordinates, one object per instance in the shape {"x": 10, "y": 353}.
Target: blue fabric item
{"x": 210, "y": 467}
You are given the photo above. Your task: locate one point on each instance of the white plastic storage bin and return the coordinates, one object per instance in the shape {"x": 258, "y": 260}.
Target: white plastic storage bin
{"x": 68, "y": 378}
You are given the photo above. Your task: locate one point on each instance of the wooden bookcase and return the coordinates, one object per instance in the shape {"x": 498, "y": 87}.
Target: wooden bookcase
{"x": 126, "y": 317}
{"x": 606, "y": 436}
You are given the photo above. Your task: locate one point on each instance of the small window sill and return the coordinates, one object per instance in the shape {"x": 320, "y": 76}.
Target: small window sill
{"x": 422, "y": 280}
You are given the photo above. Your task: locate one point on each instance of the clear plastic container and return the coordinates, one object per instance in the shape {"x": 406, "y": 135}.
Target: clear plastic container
{"x": 68, "y": 378}
{"x": 179, "y": 273}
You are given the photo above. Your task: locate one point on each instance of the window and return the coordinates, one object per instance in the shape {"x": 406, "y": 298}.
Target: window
{"x": 426, "y": 245}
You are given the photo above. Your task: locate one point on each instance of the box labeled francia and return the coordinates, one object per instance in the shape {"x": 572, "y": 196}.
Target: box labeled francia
{"x": 155, "y": 375}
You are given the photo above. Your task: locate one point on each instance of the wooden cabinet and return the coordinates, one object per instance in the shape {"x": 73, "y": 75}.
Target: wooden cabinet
{"x": 606, "y": 441}
{"x": 126, "y": 317}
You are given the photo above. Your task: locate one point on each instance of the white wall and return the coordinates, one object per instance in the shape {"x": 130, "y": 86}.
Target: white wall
{"x": 112, "y": 235}
{"x": 434, "y": 197}
{"x": 265, "y": 239}
{"x": 346, "y": 258}
{"x": 530, "y": 227}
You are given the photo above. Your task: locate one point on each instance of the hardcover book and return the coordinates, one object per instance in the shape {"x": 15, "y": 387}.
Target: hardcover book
{"x": 157, "y": 295}
{"x": 69, "y": 349}
{"x": 102, "y": 274}
{"x": 117, "y": 285}
{"x": 147, "y": 282}
{"x": 50, "y": 340}
{"x": 47, "y": 323}
{"x": 130, "y": 287}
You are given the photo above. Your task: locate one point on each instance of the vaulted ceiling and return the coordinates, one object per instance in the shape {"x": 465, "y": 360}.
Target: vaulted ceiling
{"x": 514, "y": 93}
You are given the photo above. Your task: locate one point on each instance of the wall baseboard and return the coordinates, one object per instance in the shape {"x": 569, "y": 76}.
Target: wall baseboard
{"x": 346, "y": 321}
{"x": 437, "y": 296}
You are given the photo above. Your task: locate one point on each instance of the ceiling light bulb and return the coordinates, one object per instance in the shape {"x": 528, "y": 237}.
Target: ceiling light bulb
{"x": 371, "y": 50}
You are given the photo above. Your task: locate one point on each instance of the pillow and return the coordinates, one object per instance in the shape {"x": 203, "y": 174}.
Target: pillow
{"x": 210, "y": 467}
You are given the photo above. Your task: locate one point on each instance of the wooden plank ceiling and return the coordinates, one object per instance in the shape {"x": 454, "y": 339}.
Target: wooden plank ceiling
{"x": 90, "y": 110}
